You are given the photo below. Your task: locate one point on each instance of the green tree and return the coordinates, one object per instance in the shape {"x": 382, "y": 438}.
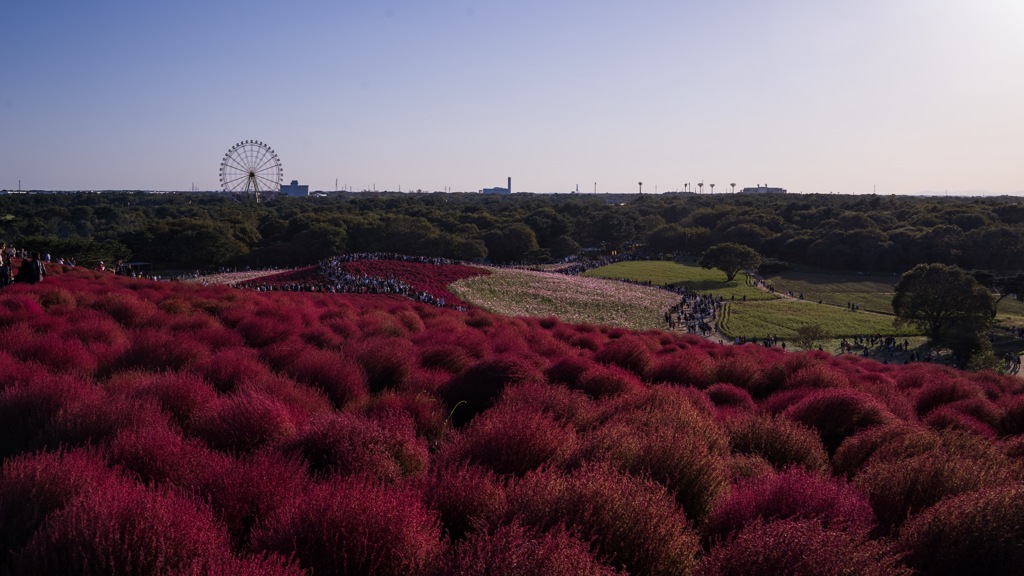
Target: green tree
{"x": 811, "y": 336}
{"x": 730, "y": 258}
{"x": 947, "y": 303}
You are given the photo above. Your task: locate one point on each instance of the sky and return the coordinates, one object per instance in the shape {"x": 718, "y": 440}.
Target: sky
{"x": 886, "y": 96}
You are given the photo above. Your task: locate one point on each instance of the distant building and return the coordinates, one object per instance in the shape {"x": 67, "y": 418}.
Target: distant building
{"x": 295, "y": 189}
{"x": 499, "y": 190}
{"x": 763, "y": 190}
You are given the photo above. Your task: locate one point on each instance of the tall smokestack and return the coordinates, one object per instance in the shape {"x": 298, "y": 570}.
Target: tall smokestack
{"x": 509, "y": 184}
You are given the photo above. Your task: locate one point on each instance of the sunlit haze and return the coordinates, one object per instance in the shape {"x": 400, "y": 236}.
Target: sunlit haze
{"x": 892, "y": 96}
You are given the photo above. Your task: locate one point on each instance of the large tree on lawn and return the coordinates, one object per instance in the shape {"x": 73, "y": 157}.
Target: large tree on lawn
{"x": 947, "y": 303}
{"x": 730, "y": 258}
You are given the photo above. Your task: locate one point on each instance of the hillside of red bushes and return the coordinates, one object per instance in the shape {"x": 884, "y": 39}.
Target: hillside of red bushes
{"x": 166, "y": 428}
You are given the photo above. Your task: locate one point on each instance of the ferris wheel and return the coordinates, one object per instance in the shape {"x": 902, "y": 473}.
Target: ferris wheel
{"x": 251, "y": 167}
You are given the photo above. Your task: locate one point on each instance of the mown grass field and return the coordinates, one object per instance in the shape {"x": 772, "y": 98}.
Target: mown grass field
{"x": 782, "y": 318}
{"x": 663, "y": 273}
{"x": 873, "y": 292}
{"x": 763, "y": 314}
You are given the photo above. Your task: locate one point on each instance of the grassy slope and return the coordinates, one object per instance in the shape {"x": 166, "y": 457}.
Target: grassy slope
{"x": 663, "y": 273}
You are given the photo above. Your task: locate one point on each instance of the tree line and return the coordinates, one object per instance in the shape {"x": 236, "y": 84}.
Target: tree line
{"x": 864, "y": 233}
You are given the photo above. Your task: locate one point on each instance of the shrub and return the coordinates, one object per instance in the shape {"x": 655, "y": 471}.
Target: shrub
{"x": 1012, "y": 421}
{"x": 182, "y": 395}
{"x": 628, "y": 352}
{"x": 839, "y": 413}
{"x": 127, "y": 309}
{"x": 33, "y": 486}
{"x": 348, "y": 527}
{"x": 387, "y": 362}
{"x": 156, "y": 454}
{"x": 730, "y": 400}
{"x": 800, "y": 547}
{"x": 476, "y": 388}
{"x": 567, "y": 407}
{"x": 884, "y": 443}
{"x": 689, "y": 368}
{"x": 568, "y": 370}
{"x": 742, "y": 467}
{"x": 351, "y": 445}
{"x": 465, "y": 497}
{"x": 975, "y": 533}
{"x": 781, "y": 442}
{"x": 601, "y": 381}
{"x": 680, "y": 461}
{"x": 817, "y": 376}
{"x": 513, "y": 550}
{"x": 155, "y": 350}
{"x": 741, "y": 367}
{"x": 510, "y": 441}
{"x": 128, "y": 530}
{"x": 426, "y": 412}
{"x": 949, "y": 417}
{"x": 263, "y": 330}
{"x": 900, "y": 488}
{"x": 257, "y": 565}
{"x": 341, "y": 379}
{"x": 244, "y": 493}
{"x": 27, "y": 409}
{"x": 227, "y": 368}
{"x": 940, "y": 392}
{"x": 451, "y": 359}
{"x": 245, "y": 422}
{"x": 99, "y": 419}
{"x": 631, "y": 522}
{"x": 794, "y": 493}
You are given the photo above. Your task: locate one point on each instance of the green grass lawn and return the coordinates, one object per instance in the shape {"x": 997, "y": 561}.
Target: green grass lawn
{"x": 663, "y": 273}
{"x": 782, "y": 318}
{"x": 872, "y": 292}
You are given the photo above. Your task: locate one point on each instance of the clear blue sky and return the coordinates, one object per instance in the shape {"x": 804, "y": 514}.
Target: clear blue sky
{"x": 903, "y": 95}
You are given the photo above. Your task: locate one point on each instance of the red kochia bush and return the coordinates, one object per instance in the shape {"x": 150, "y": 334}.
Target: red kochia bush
{"x": 387, "y": 362}
{"x": 975, "y": 533}
{"x": 27, "y": 409}
{"x": 839, "y": 413}
{"x": 689, "y": 368}
{"x": 346, "y": 526}
{"x": 630, "y": 352}
{"x": 1012, "y": 422}
{"x": 244, "y": 422}
{"x": 124, "y": 530}
{"x": 631, "y": 522}
{"x": 245, "y": 492}
{"x": 781, "y": 442}
{"x": 350, "y": 445}
{"x": 183, "y": 395}
{"x": 228, "y": 368}
{"x": 601, "y": 381}
{"x": 513, "y": 550}
{"x": 568, "y": 370}
{"x": 511, "y": 441}
{"x": 341, "y": 379}
{"x": 476, "y": 388}
{"x": 730, "y": 400}
{"x": 795, "y": 493}
{"x": 901, "y": 487}
{"x": 800, "y": 547}
{"x": 884, "y": 443}
{"x": 465, "y": 497}
{"x": 36, "y": 485}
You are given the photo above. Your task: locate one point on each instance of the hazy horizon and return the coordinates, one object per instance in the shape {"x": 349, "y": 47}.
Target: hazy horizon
{"x": 893, "y": 97}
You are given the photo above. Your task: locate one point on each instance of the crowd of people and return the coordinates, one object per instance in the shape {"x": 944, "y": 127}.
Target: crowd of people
{"x": 343, "y": 281}
{"x": 696, "y": 313}
{"x": 31, "y": 270}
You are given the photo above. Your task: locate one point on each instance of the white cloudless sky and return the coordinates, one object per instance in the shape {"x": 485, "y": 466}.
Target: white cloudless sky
{"x": 893, "y": 96}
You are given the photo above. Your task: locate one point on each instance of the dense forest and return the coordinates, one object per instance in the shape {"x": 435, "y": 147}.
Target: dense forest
{"x": 861, "y": 233}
